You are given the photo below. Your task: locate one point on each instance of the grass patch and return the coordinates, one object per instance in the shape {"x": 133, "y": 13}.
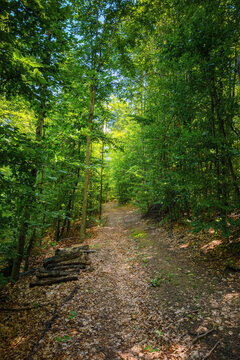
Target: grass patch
{"x": 156, "y": 281}
{"x": 136, "y": 234}
{"x": 167, "y": 278}
{"x": 145, "y": 259}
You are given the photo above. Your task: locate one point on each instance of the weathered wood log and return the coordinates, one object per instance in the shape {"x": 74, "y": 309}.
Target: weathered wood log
{"x": 71, "y": 250}
{"x": 59, "y": 259}
{"x": 30, "y": 271}
{"x": 77, "y": 261}
{"x": 68, "y": 263}
{"x": 56, "y": 273}
{"x": 48, "y": 271}
{"x": 89, "y": 251}
{"x": 75, "y": 264}
{"x": 53, "y": 281}
{"x": 64, "y": 268}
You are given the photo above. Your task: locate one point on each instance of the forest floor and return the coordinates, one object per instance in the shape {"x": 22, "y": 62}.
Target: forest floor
{"x": 148, "y": 295}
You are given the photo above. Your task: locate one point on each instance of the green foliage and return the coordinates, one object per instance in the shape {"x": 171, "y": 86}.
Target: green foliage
{"x": 156, "y": 281}
{"x": 72, "y": 315}
{"x": 43, "y": 141}
{"x": 159, "y": 333}
{"x": 184, "y": 156}
{"x": 136, "y": 234}
{"x": 150, "y": 349}
{"x": 63, "y": 338}
{"x": 165, "y": 126}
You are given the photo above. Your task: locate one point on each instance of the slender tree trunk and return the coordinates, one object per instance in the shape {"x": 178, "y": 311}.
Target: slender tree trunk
{"x": 235, "y": 180}
{"x": 216, "y": 161}
{"x": 30, "y": 200}
{"x": 27, "y": 213}
{"x": 87, "y": 162}
{"x": 29, "y": 249}
{"x": 20, "y": 244}
{"x": 67, "y": 221}
{"x": 101, "y": 184}
{"x": 57, "y": 231}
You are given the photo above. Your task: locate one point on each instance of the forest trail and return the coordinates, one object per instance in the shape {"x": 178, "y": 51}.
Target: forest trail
{"x": 117, "y": 313}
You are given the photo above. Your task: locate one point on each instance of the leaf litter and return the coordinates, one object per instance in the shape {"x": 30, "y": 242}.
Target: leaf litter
{"x": 116, "y": 313}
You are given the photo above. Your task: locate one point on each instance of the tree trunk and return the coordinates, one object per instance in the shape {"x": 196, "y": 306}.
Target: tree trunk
{"x": 29, "y": 249}
{"x": 101, "y": 184}
{"x": 20, "y": 245}
{"x": 57, "y": 230}
{"x": 87, "y": 163}
{"x": 27, "y": 212}
{"x": 70, "y": 206}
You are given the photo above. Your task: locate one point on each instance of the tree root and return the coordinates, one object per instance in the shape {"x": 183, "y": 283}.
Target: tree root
{"x": 202, "y": 335}
{"x": 50, "y": 323}
{"x": 211, "y": 351}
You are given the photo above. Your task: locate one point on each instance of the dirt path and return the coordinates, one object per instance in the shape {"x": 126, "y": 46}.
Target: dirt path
{"x": 145, "y": 298}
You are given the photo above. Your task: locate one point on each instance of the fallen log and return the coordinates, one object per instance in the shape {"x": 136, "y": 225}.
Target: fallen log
{"x": 53, "y": 281}
{"x": 76, "y": 261}
{"x": 63, "y": 266}
{"x": 75, "y": 265}
{"x": 56, "y": 273}
{"x": 30, "y": 271}
{"x": 51, "y": 271}
{"x": 71, "y": 250}
{"x": 90, "y": 251}
{"x": 72, "y": 269}
{"x": 59, "y": 259}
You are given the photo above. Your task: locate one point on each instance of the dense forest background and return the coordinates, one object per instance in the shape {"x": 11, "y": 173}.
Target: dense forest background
{"x": 133, "y": 100}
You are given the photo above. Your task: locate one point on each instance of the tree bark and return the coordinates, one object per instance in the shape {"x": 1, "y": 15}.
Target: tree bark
{"x": 29, "y": 249}
{"x": 80, "y": 259}
{"x": 43, "y": 274}
{"x": 101, "y": 184}
{"x": 27, "y": 212}
{"x": 88, "y": 161}
{"x": 20, "y": 245}
{"x": 71, "y": 250}
{"x": 66, "y": 266}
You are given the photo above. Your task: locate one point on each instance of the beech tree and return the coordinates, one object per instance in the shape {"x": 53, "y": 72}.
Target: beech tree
{"x": 32, "y": 35}
{"x": 163, "y": 76}
{"x": 186, "y": 103}
{"x": 95, "y": 25}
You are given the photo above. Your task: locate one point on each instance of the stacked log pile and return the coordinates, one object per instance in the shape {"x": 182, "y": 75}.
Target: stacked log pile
{"x": 64, "y": 266}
